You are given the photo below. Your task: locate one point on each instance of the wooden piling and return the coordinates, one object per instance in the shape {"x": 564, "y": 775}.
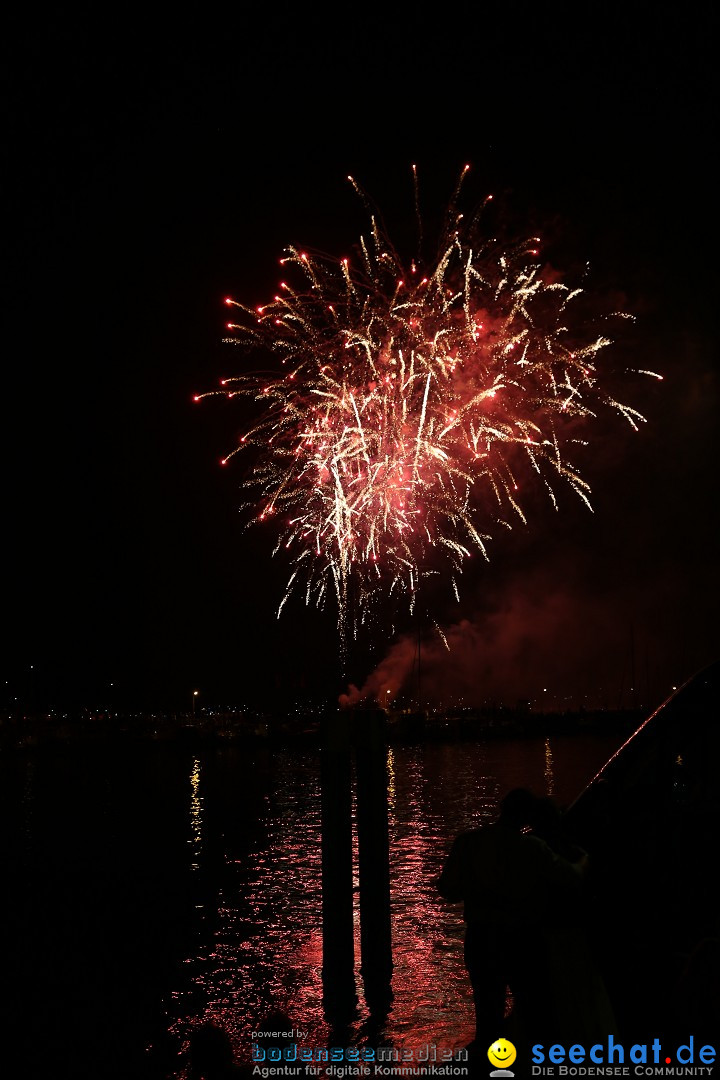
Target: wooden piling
{"x": 373, "y": 857}
{"x": 338, "y": 972}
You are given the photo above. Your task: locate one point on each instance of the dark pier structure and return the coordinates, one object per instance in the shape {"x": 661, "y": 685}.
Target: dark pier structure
{"x": 650, "y": 821}
{"x": 361, "y": 733}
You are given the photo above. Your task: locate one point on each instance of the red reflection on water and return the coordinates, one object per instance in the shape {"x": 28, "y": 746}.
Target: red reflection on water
{"x": 265, "y": 950}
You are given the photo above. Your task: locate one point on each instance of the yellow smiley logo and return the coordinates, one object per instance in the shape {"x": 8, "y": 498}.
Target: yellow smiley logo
{"x": 502, "y": 1053}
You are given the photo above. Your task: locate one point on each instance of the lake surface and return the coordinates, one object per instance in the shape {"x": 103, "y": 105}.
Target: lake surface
{"x": 150, "y": 889}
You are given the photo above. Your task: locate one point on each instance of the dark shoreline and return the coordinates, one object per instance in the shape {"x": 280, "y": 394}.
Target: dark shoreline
{"x": 60, "y": 732}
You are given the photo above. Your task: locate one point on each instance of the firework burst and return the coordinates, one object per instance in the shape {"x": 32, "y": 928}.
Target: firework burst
{"x": 390, "y": 434}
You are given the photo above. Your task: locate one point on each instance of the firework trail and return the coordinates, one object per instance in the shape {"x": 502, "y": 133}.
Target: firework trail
{"x": 390, "y": 435}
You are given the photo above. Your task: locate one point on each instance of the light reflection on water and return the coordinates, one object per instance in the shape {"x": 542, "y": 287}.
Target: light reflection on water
{"x": 195, "y": 815}
{"x": 261, "y": 950}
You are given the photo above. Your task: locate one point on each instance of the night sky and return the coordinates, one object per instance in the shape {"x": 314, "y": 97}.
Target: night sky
{"x": 150, "y": 171}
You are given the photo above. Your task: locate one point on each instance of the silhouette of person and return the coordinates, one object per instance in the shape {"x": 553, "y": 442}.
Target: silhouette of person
{"x": 581, "y": 1008}
{"x": 548, "y": 822}
{"x": 510, "y": 882}
{"x": 211, "y": 1055}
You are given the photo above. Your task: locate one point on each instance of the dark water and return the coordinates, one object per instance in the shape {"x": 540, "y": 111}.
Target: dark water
{"x": 149, "y": 889}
